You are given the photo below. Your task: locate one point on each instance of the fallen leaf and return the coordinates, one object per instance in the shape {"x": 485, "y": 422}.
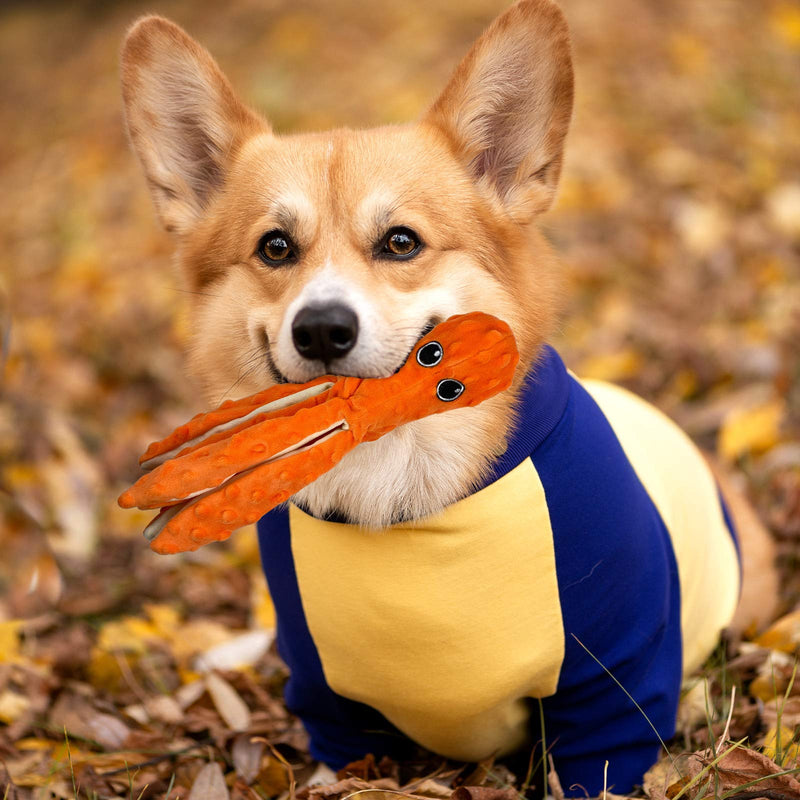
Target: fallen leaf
{"x": 553, "y": 781}
{"x": 12, "y": 706}
{"x": 246, "y": 754}
{"x": 739, "y": 766}
{"x": 190, "y": 693}
{"x": 783, "y": 634}
{"x": 785, "y": 709}
{"x": 228, "y": 703}
{"x": 615, "y": 366}
{"x": 432, "y": 788}
{"x": 694, "y": 706}
{"x": 209, "y": 784}
{"x": 778, "y": 746}
{"x": 241, "y": 651}
{"x": 80, "y": 719}
{"x": 371, "y": 790}
{"x": 9, "y": 641}
{"x": 273, "y": 777}
{"x": 751, "y": 430}
{"x": 485, "y": 793}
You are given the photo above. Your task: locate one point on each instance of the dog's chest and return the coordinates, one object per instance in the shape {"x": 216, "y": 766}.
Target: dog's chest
{"x": 444, "y": 625}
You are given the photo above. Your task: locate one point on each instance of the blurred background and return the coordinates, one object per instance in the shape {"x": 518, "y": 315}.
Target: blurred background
{"x": 678, "y": 222}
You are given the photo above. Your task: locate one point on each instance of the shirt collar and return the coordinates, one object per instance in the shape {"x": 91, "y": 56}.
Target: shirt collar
{"x": 540, "y": 406}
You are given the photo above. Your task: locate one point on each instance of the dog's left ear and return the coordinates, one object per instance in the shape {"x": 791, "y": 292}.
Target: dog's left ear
{"x": 508, "y": 105}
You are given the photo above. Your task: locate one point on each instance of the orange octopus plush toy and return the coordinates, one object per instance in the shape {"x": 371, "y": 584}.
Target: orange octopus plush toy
{"x": 228, "y": 467}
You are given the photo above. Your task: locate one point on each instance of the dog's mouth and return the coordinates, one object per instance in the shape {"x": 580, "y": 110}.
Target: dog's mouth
{"x": 429, "y": 326}
{"x": 279, "y": 377}
{"x": 272, "y": 368}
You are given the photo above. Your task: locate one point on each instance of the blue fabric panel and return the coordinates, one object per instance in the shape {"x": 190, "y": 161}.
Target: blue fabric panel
{"x": 620, "y": 596}
{"x": 340, "y": 730}
{"x": 734, "y": 535}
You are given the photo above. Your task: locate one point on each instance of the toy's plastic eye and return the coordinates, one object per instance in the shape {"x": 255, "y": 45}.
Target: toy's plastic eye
{"x": 429, "y": 355}
{"x": 449, "y": 389}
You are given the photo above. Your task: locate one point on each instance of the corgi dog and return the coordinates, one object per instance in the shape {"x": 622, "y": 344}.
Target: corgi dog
{"x": 437, "y": 584}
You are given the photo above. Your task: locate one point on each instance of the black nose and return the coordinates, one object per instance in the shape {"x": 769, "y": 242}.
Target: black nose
{"x": 325, "y": 332}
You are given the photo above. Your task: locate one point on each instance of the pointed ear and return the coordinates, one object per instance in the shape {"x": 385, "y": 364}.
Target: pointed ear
{"x": 182, "y": 116}
{"x": 507, "y": 107}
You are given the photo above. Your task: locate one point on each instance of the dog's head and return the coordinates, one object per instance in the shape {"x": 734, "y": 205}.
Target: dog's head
{"x": 334, "y": 252}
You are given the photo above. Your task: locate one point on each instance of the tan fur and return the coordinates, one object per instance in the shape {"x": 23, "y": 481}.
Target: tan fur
{"x": 470, "y": 177}
{"x": 758, "y": 604}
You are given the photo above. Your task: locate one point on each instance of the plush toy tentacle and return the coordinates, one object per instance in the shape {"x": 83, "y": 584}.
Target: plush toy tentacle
{"x": 233, "y": 415}
{"x": 213, "y": 516}
{"x": 208, "y": 466}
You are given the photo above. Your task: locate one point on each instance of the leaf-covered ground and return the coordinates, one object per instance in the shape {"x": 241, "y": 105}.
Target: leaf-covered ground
{"x": 125, "y": 674}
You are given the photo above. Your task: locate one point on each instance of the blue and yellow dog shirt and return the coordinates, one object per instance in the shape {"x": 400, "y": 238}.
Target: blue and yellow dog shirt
{"x": 597, "y": 545}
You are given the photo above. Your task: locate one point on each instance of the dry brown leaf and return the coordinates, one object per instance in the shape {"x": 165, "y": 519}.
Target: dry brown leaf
{"x": 693, "y": 707}
{"x": 741, "y": 765}
{"x": 12, "y": 706}
{"x": 241, "y": 651}
{"x": 190, "y": 693}
{"x": 164, "y": 708}
{"x": 788, "y": 710}
{"x": 209, "y": 784}
{"x": 431, "y": 788}
{"x": 553, "y": 781}
{"x": 80, "y": 719}
{"x": 228, "y": 703}
{"x": 660, "y": 778}
{"x": 365, "y": 769}
{"x": 367, "y": 791}
{"x": 246, "y": 753}
{"x": 484, "y": 793}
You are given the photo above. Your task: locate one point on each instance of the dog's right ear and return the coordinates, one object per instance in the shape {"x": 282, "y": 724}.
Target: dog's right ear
{"x": 507, "y": 107}
{"x": 183, "y": 118}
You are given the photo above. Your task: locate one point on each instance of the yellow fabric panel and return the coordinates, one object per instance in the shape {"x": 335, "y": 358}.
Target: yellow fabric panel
{"x": 410, "y": 620}
{"x": 681, "y": 485}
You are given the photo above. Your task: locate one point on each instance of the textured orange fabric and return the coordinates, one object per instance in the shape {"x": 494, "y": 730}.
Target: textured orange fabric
{"x": 226, "y": 468}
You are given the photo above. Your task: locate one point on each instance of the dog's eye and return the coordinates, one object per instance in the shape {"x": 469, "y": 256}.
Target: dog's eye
{"x": 429, "y": 355}
{"x": 275, "y": 247}
{"x": 448, "y": 389}
{"x": 400, "y": 243}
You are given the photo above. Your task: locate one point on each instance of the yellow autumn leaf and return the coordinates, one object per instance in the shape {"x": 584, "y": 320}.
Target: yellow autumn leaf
{"x": 684, "y": 384}
{"x": 21, "y": 475}
{"x": 785, "y": 21}
{"x": 624, "y": 363}
{"x": 751, "y": 430}
{"x": 34, "y": 743}
{"x": 783, "y": 634}
{"x": 9, "y": 641}
{"x": 196, "y": 636}
{"x": 188, "y": 676}
{"x": 130, "y": 634}
{"x": 779, "y": 747}
{"x": 105, "y": 668}
{"x": 119, "y": 646}
{"x": 32, "y": 780}
{"x": 164, "y": 619}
